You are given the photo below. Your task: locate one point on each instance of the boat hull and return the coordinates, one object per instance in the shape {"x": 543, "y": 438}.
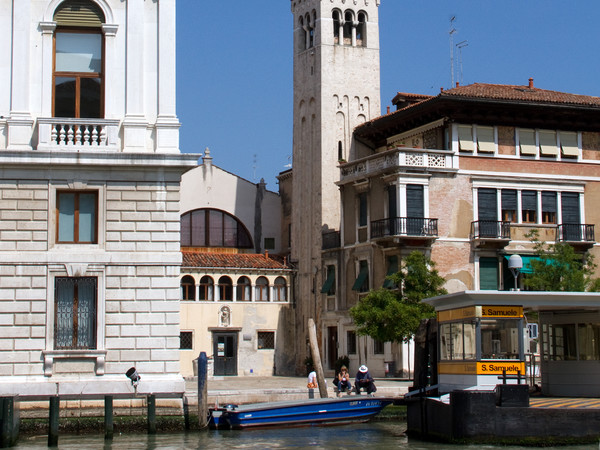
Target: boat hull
{"x": 304, "y": 412}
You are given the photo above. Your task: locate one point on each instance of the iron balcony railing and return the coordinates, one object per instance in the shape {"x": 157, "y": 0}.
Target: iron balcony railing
{"x": 490, "y": 229}
{"x": 404, "y": 226}
{"x": 331, "y": 239}
{"x": 575, "y": 232}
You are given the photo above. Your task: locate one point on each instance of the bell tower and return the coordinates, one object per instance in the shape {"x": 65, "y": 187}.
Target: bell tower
{"x": 336, "y": 88}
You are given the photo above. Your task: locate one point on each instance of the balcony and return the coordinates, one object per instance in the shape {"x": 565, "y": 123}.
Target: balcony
{"x": 396, "y": 229}
{"x": 576, "y": 234}
{"x": 331, "y": 240}
{"x": 407, "y": 158}
{"x": 490, "y": 233}
{"x": 78, "y": 134}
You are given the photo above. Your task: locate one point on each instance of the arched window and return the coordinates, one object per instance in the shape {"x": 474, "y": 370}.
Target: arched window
{"x": 262, "y": 290}
{"x": 337, "y": 23}
{"x": 303, "y": 32}
{"x": 340, "y": 151}
{"x": 348, "y": 19}
{"x": 361, "y": 30}
{"x": 206, "y": 289}
{"x": 225, "y": 289}
{"x": 244, "y": 289}
{"x": 213, "y": 228}
{"x": 280, "y": 290}
{"x": 78, "y": 77}
{"x": 188, "y": 288}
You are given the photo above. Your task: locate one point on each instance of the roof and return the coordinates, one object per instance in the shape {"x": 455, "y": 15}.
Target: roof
{"x": 233, "y": 260}
{"x": 519, "y": 93}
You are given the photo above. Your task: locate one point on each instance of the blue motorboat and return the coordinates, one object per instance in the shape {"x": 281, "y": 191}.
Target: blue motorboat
{"x": 318, "y": 411}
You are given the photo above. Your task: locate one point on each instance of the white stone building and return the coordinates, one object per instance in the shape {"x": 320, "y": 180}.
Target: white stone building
{"x": 235, "y": 294}
{"x": 89, "y": 189}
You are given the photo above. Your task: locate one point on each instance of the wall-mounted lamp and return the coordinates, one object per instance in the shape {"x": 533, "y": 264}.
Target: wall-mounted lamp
{"x": 133, "y": 376}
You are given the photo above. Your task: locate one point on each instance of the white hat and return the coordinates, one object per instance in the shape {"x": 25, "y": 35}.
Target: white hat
{"x": 363, "y": 369}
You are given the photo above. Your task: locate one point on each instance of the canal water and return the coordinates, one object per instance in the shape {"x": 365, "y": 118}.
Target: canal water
{"x": 373, "y": 435}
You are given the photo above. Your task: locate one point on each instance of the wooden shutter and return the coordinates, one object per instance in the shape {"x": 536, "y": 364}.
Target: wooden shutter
{"x": 488, "y": 274}
{"x": 549, "y": 202}
{"x": 570, "y": 208}
{"x": 414, "y": 201}
{"x": 79, "y": 13}
{"x": 487, "y": 204}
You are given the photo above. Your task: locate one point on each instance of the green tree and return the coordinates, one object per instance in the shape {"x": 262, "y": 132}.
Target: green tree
{"x": 559, "y": 268}
{"x": 394, "y": 315}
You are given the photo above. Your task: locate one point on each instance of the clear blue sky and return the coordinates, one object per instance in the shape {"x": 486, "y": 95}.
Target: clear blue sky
{"x": 234, "y": 64}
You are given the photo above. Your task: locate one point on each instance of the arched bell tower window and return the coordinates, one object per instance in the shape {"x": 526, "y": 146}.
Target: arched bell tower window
{"x": 348, "y": 19}
{"x": 361, "y": 30}
{"x": 78, "y": 76}
{"x": 337, "y": 23}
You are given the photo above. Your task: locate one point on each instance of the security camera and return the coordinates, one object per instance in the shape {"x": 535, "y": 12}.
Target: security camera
{"x": 133, "y": 376}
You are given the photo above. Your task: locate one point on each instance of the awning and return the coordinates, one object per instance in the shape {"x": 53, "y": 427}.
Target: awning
{"x": 328, "y": 282}
{"x": 392, "y": 269}
{"x": 526, "y": 262}
{"x": 360, "y": 279}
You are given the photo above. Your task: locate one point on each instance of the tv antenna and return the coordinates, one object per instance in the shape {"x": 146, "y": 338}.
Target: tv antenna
{"x": 451, "y": 33}
{"x": 460, "y": 46}
{"x": 254, "y": 168}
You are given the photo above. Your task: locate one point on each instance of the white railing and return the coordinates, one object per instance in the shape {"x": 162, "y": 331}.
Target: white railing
{"x": 399, "y": 157}
{"x": 80, "y": 134}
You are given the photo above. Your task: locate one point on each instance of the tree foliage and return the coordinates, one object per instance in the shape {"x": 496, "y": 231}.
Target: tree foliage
{"x": 394, "y": 315}
{"x": 559, "y": 268}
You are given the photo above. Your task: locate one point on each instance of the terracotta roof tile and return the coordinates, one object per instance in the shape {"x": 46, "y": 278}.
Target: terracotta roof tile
{"x": 519, "y": 93}
{"x": 233, "y": 260}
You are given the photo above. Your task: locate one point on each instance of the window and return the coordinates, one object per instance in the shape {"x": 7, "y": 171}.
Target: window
{"x": 206, "y": 289}
{"x": 361, "y": 30}
{"x": 266, "y": 340}
{"x": 348, "y": 19}
{"x": 500, "y": 339}
{"x": 378, "y": 347}
{"x": 529, "y": 206}
{"x": 392, "y": 264}
{"x": 186, "y": 340}
{"x": 415, "y": 209}
{"x": 78, "y": 78}
{"x": 457, "y": 341}
{"x": 188, "y": 288}
{"x": 509, "y": 205}
{"x": 269, "y": 243}
{"x": 563, "y": 345}
{"x": 329, "y": 285}
{"x": 75, "y": 313}
{"x": 486, "y": 140}
{"x": 76, "y": 217}
{"x": 336, "y": 28}
{"x": 362, "y": 209}
{"x": 362, "y": 280}
{"x": 488, "y": 274}
{"x": 527, "y": 144}
{"x": 589, "y": 337}
{"x": 548, "y": 207}
{"x": 243, "y": 290}
{"x": 213, "y": 228}
{"x": 280, "y": 289}
{"x": 225, "y": 289}
{"x": 392, "y": 196}
{"x": 548, "y": 143}
{"x": 569, "y": 146}
{"x": 465, "y": 138}
{"x": 351, "y": 342}
{"x": 262, "y": 290}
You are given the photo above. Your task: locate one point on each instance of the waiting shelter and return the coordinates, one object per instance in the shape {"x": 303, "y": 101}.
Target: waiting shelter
{"x": 482, "y": 334}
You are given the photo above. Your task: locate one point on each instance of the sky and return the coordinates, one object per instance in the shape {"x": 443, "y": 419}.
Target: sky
{"x": 234, "y": 64}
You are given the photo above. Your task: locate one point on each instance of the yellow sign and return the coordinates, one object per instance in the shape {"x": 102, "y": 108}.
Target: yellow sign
{"x": 496, "y": 367}
{"x": 456, "y": 314}
{"x": 498, "y": 312}
{"x": 457, "y": 368}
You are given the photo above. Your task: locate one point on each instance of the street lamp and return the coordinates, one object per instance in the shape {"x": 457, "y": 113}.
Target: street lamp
{"x": 515, "y": 264}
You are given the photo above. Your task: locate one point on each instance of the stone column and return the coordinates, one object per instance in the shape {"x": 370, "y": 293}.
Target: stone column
{"x": 48, "y": 29}
{"x": 20, "y": 123}
{"x": 167, "y": 124}
{"x": 135, "y": 123}
{"x": 110, "y": 71}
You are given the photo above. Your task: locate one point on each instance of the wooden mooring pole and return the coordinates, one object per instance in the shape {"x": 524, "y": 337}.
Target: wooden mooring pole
{"x": 316, "y": 357}
{"x": 53, "y": 421}
{"x": 9, "y": 422}
{"x": 108, "y": 417}
{"x": 152, "y": 414}
{"x": 202, "y": 391}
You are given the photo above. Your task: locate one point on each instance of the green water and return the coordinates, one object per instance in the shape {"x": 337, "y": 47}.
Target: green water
{"x": 374, "y": 435}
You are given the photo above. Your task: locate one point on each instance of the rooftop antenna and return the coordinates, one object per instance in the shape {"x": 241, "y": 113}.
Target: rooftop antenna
{"x": 451, "y": 33}
{"x": 254, "y": 168}
{"x": 289, "y": 164}
{"x": 460, "y": 46}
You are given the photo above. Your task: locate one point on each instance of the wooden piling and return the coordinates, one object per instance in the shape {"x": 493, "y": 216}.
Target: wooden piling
{"x": 202, "y": 391}
{"x": 316, "y": 356}
{"x": 151, "y": 414}
{"x": 9, "y": 422}
{"x": 108, "y": 417}
{"x": 53, "y": 421}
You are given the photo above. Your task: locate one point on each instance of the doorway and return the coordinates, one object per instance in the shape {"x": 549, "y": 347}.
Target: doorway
{"x": 225, "y": 353}
{"x": 332, "y": 346}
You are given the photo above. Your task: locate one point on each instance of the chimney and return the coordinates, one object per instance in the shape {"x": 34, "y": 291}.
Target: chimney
{"x": 441, "y": 89}
{"x": 457, "y": 84}
{"x": 388, "y": 109}
{"x": 266, "y": 254}
{"x": 531, "y": 83}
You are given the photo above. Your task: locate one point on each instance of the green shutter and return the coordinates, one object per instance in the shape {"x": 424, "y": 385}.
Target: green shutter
{"x": 392, "y": 269}
{"x": 488, "y": 274}
{"x": 361, "y": 278}
{"x": 329, "y": 281}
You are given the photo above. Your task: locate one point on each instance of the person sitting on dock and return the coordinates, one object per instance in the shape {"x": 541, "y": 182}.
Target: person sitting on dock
{"x": 364, "y": 380}
{"x": 312, "y": 379}
{"x": 342, "y": 381}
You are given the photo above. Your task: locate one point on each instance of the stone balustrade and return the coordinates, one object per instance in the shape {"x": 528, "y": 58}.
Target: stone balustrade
{"x": 62, "y": 133}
